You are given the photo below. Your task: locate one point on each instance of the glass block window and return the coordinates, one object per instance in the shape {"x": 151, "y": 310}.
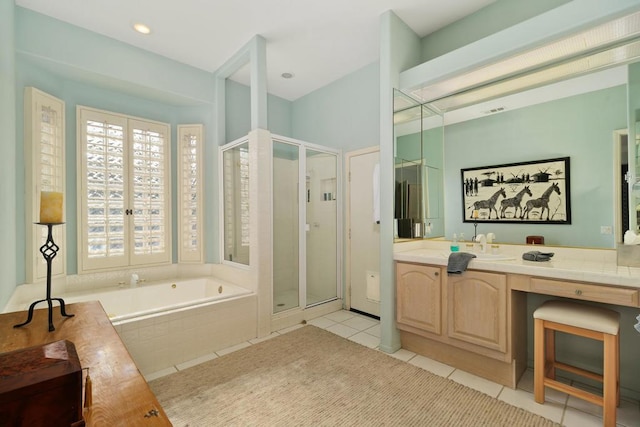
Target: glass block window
{"x": 190, "y": 155}
{"x": 124, "y": 187}
{"x": 235, "y": 197}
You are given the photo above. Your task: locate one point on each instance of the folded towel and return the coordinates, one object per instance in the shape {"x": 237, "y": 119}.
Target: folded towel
{"x": 458, "y": 262}
{"x": 537, "y": 256}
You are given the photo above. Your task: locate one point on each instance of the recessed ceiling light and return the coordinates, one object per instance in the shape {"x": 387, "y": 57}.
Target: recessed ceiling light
{"x": 287, "y": 75}
{"x": 141, "y": 28}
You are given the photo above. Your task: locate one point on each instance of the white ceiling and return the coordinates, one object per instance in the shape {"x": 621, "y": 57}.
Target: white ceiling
{"x": 317, "y": 41}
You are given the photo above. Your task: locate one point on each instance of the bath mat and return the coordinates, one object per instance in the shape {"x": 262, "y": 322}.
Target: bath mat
{"x": 311, "y": 377}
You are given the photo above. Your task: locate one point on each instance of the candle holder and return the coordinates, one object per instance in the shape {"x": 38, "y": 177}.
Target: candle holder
{"x": 475, "y": 229}
{"x": 48, "y": 251}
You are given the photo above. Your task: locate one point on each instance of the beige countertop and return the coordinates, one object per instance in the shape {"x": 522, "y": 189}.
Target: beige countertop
{"x": 587, "y": 265}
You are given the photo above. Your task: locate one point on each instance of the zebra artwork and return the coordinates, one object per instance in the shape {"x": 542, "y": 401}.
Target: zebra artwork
{"x": 542, "y": 202}
{"x": 490, "y": 203}
{"x": 514, "y": 202}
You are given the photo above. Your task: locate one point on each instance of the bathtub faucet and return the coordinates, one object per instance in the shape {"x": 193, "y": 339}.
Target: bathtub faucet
{"x": 134, "y": 280}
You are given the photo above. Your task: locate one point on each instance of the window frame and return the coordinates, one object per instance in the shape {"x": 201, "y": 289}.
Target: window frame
{"x": 129, "y": 258}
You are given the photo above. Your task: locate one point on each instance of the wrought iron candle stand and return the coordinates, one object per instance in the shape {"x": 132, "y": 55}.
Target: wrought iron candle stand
{"x": 48, "y": 251}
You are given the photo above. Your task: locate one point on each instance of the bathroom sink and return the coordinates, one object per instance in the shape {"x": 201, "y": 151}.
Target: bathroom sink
{"x": 488, "y": 257}
{"x": 493, "y": 257}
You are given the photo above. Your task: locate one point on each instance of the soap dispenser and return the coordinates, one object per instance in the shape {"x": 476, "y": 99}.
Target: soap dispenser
{"x": 454, "y": 244}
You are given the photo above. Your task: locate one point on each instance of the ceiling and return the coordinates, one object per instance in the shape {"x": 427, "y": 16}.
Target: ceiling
{"x": 317, "y": 41}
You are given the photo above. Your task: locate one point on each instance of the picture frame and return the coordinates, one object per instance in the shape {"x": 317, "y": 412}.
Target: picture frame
{"x": 532, "y": 192}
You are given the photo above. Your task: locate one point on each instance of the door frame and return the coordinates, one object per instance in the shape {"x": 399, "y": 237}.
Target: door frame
{"x": 347, "y": 220}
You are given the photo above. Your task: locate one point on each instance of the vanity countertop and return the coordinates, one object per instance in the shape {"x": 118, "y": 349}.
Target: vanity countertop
{"x": 587, "y": 265}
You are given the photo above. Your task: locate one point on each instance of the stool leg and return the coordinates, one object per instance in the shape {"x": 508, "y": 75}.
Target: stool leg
{"x": 538, "y": 360}
{"x": 618, "y": 370}
{"x": 550, "y": 353}
{"x": 610, "y": 394}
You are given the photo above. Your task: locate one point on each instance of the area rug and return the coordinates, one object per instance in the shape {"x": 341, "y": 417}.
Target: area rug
{"x": 311, "y": 377}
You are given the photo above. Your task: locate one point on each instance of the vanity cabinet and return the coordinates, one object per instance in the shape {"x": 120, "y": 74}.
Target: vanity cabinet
{"x": 419, "y": 297}
{"x": 477, "y": 309}
{"x": 467, "y": 310}
{"x": 470, "y": 321}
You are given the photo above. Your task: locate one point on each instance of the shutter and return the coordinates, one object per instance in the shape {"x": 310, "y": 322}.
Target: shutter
{"x": 150, "y": 183}
{"x": 103, "y": 193}
{"x": 190, "y": 213}
{"x": 44, "y": 171}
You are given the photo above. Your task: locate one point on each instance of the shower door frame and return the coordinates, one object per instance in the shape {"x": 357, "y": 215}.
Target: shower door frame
{"x": 303, "y": 146}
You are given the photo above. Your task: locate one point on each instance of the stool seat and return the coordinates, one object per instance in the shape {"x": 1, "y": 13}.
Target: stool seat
{"x": 580, "y": 315}
{"x": 586, "y": 321}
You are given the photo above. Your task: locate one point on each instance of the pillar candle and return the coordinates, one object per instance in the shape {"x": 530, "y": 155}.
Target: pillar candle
{"x": 474, "y": 214}
{"x": 50, "y": 207}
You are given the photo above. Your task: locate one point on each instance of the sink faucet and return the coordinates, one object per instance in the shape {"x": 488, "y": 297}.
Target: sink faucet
{"x": 482, "y": 239}
{"x": 133, "y": 281}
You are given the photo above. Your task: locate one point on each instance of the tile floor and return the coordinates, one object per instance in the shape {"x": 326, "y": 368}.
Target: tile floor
{"x": 560, "y": 407}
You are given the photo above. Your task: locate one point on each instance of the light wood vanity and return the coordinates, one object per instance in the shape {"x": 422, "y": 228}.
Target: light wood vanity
{"x": 477, "y": 320}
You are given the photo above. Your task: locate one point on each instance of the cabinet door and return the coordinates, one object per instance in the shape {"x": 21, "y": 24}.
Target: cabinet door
{"x": 418, "y": 297}
{"x": 477, "y": 309}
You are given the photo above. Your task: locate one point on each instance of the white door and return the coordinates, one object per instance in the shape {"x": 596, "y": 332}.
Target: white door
{"x": 364, "y": 232}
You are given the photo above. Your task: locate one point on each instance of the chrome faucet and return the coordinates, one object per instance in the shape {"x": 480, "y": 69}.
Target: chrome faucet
{"x": 482, "y": 239}
{"x": 134, "y": 280}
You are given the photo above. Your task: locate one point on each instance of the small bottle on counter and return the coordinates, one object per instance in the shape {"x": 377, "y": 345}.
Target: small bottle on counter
{"x": 454, "y": 244}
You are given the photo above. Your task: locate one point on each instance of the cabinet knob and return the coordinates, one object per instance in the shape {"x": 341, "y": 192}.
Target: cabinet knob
{"x": 578, "y": 292}
{"x": 436, "y": 273}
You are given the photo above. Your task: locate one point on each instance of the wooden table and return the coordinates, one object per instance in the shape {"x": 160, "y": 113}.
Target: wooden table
{"x": 121, "y": 396}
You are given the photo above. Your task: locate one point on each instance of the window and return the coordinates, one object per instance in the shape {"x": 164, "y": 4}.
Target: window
{"x": 235, "y": 192}
{"x": 44, "y": 171}
{"x": 190, "y": 153}
{"x": 124, "y": 191}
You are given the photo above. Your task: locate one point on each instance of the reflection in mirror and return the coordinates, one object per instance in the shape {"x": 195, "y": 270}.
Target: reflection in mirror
{"x": 235, "y": 196}
{"x": 418, "y": 169}
{"x": 561, "y": 99}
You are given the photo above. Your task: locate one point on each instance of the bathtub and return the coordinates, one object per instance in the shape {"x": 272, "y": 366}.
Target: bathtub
{"x": 169, "y": 323}
{"x": 160, "y": 298}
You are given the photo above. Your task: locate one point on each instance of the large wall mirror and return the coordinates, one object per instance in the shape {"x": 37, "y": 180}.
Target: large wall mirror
{"x": 579, "y": 108}
{"x": 419, "y": 201}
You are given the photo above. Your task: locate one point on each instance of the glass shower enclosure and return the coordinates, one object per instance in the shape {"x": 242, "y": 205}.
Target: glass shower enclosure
{"x": 306, "y": 230}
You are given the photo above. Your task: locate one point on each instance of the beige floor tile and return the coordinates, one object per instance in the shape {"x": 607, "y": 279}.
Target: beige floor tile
{"x": 339, "y": 316}
{"x": 476, "y": 383}
{"x": 365, "y": 339}
{"x": 342, "y": 330}
{"x": 432, "y": 366}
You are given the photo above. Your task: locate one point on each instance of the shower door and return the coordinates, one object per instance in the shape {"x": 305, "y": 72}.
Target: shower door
{"x": 286, "y": 226}
{"x": 322, "y": 227}
{"x": 306, "y": 252}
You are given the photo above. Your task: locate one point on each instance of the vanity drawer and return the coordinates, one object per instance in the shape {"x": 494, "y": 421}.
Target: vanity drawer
{"x": 585, "y": 291}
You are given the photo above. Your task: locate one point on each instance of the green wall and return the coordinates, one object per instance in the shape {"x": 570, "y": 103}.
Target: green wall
{"x": 344, "y": 114}
{"x": 84, "y": 68}
{"x": 580, "y": 127}
{"x": 488, "y": 20}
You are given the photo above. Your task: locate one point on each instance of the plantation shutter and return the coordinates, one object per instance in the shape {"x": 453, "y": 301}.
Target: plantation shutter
{"x": 190, "y": 154}
{"x": 124, "y": 191}
{"x": 150, "y": 195}
{"x": 44, "y": 139}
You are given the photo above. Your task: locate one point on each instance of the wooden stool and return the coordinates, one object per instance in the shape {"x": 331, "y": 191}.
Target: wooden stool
{"x": 586, "y": 321}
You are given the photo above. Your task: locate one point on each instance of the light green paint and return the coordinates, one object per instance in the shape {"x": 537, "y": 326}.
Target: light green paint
{"x": 8, "y": 216}
{"x": 342, "y": 114}
{"x": 563, "y": 20}
{"x": 488, "y": 20}
{"x": 580, "y": 127}
{"x": 399, "y": 50}
{"x": 93, "y": 58}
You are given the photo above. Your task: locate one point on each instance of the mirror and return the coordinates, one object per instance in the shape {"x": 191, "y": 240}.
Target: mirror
{"x": 418, "y": 194}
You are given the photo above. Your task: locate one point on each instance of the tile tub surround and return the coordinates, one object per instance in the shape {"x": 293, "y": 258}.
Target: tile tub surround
{"x": 160, "y": 342}
{"x": 588, "y": 265}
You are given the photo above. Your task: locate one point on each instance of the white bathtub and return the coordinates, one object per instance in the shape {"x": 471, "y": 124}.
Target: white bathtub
{"x": 145, "y": 301}
{"x": 164, "y": 324}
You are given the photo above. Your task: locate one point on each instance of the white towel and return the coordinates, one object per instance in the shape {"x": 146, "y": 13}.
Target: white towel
{"x": 376, "y": 193}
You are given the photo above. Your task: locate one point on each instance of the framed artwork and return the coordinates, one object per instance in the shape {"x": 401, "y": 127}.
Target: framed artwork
{"x": 535, "y": 192}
